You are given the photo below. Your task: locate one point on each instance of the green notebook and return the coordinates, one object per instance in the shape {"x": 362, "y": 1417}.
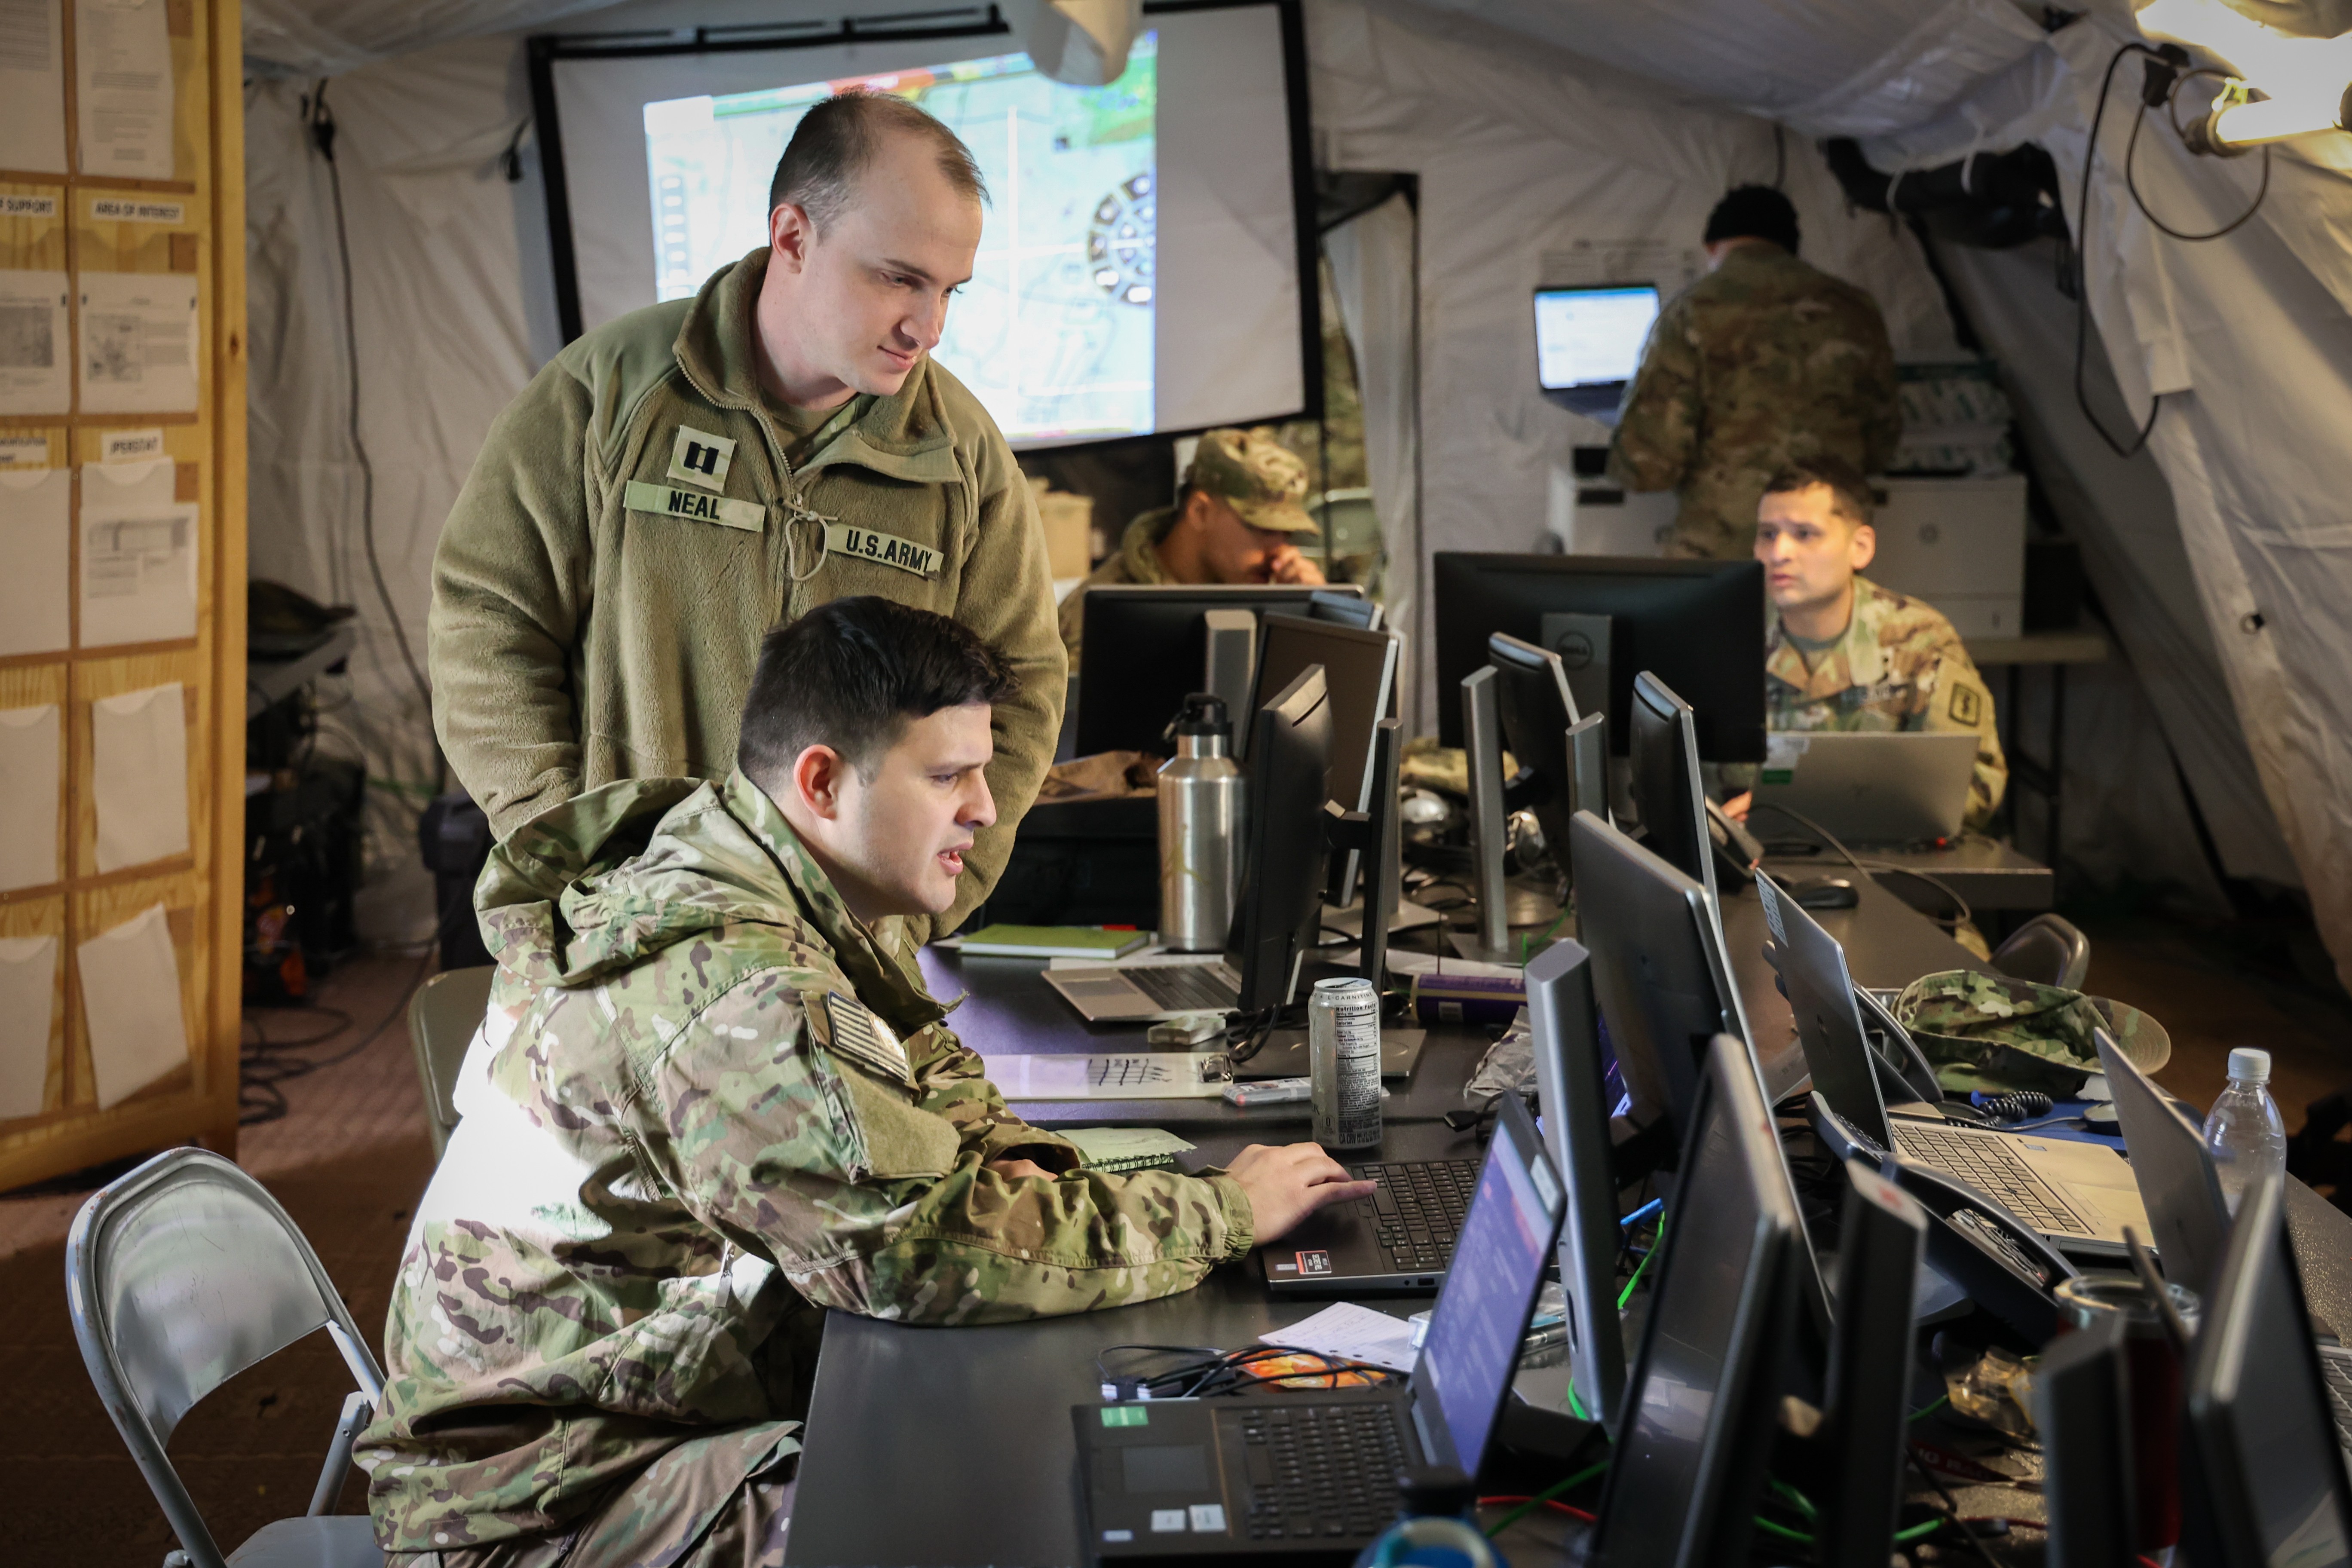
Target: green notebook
{"x": 1052, "y": 942}
{"x": 1127, "y": 1148}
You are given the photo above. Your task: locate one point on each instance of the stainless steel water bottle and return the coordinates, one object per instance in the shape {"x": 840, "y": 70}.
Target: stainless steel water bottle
{"x": 1343, "y": 1061}
{"x": 1201, "y": 796}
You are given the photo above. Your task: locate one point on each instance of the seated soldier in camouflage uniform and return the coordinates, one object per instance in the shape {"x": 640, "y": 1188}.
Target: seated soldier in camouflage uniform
{"x": 706, "y": 1105}
{"x": 1842, "y": 653}
{"x": 1237, "y": 519}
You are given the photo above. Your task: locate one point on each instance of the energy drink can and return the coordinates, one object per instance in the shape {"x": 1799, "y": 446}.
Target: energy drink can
{"x": 1343, "y": 1061}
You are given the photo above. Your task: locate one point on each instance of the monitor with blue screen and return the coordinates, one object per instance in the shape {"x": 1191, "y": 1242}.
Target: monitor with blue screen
{"x": 1589, "y": 342}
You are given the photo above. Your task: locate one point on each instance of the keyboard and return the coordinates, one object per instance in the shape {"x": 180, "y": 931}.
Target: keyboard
{"x": 1186, "y": 987}
{"x": 1986, "y": 1163}
{"x": 1319, "y": 1470}
{"x": 1418, "y": 1210}
{"x": 2336, "y": 1371}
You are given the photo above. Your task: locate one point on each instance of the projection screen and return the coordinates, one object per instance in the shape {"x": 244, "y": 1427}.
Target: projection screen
{"x": 1139, "y": 264}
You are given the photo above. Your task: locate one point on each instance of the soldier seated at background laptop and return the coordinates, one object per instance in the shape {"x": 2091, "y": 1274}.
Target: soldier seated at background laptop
{"x": 708, "y": 1104}
{"x": 1842, "y": 653}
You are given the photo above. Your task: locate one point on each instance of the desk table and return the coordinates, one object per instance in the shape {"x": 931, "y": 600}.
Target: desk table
{"x": 1985, "y": 872}
{"x": 950, "y": 1446}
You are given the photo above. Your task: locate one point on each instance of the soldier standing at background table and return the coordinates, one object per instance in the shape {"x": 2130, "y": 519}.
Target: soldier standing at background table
{"x": 1764, "y": 361}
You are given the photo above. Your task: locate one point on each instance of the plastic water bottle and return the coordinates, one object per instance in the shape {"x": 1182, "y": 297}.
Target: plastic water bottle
{"x": 1435, "y": 1527}
{"x": 2243, "y": 1131}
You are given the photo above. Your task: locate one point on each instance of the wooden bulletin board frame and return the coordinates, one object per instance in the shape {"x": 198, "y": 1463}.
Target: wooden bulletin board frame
{"x": 202, "y": 891}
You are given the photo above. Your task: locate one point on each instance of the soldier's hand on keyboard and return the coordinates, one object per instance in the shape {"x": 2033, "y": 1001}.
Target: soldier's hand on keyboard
{"x": 1286, "y": 1184}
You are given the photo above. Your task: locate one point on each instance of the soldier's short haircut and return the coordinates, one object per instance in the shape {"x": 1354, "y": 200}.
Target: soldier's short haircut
{"x": 852, "y": 675}
{"x": 1849, "y": 489}
{"x": 1754, "y": 212}
{"x": 834, "y": 142}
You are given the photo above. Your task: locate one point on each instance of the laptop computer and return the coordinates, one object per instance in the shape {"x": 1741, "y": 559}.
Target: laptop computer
{"x": 1892, "y": 787}
{"x": 2077, "y": 1196}
{"x": 1312, "y": 1477}
{"x": 2189, "y": 1217}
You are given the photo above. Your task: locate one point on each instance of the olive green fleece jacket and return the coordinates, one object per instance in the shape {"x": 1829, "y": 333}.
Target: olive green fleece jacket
{"x": 588, "y": 625}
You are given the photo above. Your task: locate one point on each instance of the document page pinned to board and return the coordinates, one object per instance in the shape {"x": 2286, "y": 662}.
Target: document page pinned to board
{"x": 138, "y": 555}
{"x": 35, "y": 343}
{"x": 138, "y": 342}
{"x": 123, "y": 88}
{"x": 139, "y": 775}
{"x": 130, "y": 1001}
{"x": 35, "y": 546}
{"x": 29, "y": 1001}
{"x": 30, "y": 766}
{"x": 33, "y": 86}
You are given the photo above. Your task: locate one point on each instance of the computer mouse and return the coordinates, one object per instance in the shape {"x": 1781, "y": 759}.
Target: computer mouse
{"x": 1829, "y": 893}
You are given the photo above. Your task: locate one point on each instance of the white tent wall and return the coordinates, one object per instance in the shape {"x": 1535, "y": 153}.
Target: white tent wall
{"x": 1521, "y": 150}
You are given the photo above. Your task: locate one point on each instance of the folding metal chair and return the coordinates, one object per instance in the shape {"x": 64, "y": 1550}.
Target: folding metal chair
{"x": 442, "y": 1018}
{"x": 181, "y": 1275}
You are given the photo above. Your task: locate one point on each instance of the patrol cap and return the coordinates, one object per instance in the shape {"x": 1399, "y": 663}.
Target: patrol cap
{"x": 1261, "y": 479}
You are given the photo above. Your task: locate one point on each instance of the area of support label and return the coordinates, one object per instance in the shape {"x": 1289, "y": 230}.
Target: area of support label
{"x": 865, "y": 544}
{"x": 747, "y": 515}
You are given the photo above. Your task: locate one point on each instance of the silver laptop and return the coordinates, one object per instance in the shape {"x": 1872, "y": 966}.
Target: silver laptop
{"x": 1143, "y": 992}
{"x": 2078, "y": 1197}
{"x": 1891, "y": 787}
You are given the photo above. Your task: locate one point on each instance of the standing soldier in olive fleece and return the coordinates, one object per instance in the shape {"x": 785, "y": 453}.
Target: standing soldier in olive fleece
{"x": 1763, "y": 360}
{"x": 680, "y": 480}
{"x": 708, "y": 1104}
{"x": 1843, "y": 652}
{"x": 1237, "y": 520}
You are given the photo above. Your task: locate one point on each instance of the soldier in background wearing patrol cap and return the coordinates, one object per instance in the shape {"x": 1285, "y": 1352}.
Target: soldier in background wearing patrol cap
{"x": 706, "y": 1107}
{"x": 1237, "y": 520}
{"x": 1763, "y": 360}
{"x": 680, "y": 480}
{"x": 1843, "y": 652}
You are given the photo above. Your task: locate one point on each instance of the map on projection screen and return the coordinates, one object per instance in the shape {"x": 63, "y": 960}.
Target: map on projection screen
{"x": 1053, "y": 334}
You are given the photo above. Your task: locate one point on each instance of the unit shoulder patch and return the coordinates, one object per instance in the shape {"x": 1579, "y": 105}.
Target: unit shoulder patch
{"x": 1966, "y": 705}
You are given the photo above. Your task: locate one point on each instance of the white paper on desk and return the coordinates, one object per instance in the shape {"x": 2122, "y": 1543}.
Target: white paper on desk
{"x": 1353, "y": 1333}
{"x": 29, "y": 797}
{"x": 139, "y": 341}
{"x": 130, "y": 1001}
{"x": 36, "y": 549}
{"x": 1124, "y": 1075}
{"x": 29, "y": 1001}
{"x": 139, "y": 775}
{"x": 33, "y": 86}
{"x": 1407, "y": 963}
{"x": 138, "y": 574}
{"x": 123, "y": 87}
{"x": 36, "y": 346}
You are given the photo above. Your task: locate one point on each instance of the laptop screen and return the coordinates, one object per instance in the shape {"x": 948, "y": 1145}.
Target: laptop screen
{"x": 1490, "y": 1288}
{"x": 1589, "y": 337}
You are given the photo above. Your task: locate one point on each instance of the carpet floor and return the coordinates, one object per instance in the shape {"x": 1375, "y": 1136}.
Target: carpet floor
{"x": 350, "y": 1159}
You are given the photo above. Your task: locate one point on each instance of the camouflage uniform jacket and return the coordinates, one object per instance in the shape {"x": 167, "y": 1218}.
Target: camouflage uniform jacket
{"x": 1763, "y": 360}
{"x": 1900, "y": 666}
{"x": 1136, "y": 560}
{"x": 705, "y": 1103}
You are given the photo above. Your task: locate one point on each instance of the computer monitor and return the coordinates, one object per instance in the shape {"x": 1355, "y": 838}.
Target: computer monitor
{"x": 1667, "y": 794}
{"x": 1688, "y": 1469}
{"x": 1282, "y": 874}
{"x": 1146, "y": 648}
{"x": 1519, "y": 702}
{"x": 1658, "y": 968}
{"x": 2081, "y": 1412}
{"x": 1819, "y": 989}
{"x": 1481, "y": 1317}
{"x": 1698, "y": 624}
{"x": 1359, "y": 673}
{"x": 2266, "y": 1467}
{"x": 1571, "y": 1068}
{"x": 1349, "y": 608}
{"x": 1589, "y": 343}
{"x": 1881, "y": 1237}
{"x": 1380, "y": 850}
{"x": 2173, "y": 1170}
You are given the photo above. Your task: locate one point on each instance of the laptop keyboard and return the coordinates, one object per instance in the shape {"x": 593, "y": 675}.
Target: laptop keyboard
{"x": 1986, "y": 1163}
{"x": 1185, "y": 987}
{"x": 2336, "y": 1371}
{"x": 1418, "y": 1210}
{"x": 1326, "y": 1471}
